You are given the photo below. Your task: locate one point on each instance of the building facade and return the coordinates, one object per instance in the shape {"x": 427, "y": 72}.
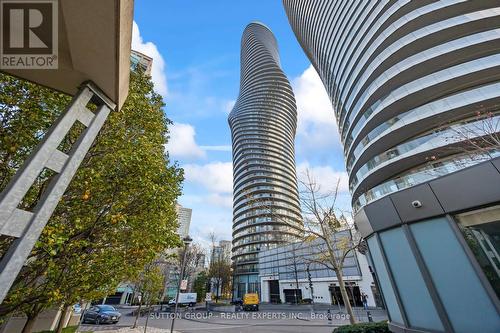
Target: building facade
{"x": 221, "y": 251}
{"x": 220, "y": 258}
{"x": 263, "y": 122}
{"x": 294, "y": 272}
{"x": 415, "y": 90}
{"x": 184, "y": 220}
{"x": 171, "y": 265}
{"x": 140, "y": 59}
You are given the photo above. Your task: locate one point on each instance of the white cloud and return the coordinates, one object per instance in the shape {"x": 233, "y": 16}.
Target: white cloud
{"x": 182, "y": 143}
{"x": 228, "y": 106}
{"x": 325, "y": 176}
{"x": 158, "y": 69}
{"x": 207, "y": 221}
{"x": 215, "y": 177}
{"x": 312, "y": 99}
{"x": 220, "y": 200}
{"x": 316, "y": 121}
{"x": 217, "y": 148}
{"x": 213, "y": 183}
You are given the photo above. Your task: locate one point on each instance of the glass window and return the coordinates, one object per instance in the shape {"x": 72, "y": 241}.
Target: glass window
{"x": 465, "y": 300}
{"x": 413, "y": 292}
{"x": 385, "y": 284}
{"x": 481, "y": 230}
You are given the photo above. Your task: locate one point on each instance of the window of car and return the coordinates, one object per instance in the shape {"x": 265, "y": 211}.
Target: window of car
{"x": 107, "y": 308}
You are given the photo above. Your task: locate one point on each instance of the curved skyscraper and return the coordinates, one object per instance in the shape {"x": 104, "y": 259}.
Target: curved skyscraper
{"x": 405, "y": 78}
{"x": 263, "y": 122}
{"x": 415, "y": 87}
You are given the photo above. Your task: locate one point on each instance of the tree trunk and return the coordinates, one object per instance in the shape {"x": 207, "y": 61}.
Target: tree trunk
{"x": 138, "y": 314}
{"x": 30, "y": 322}
{"x": 147, "y": 319}
{"x": 62, "y": 318}
{"x": 296, "y": 280}
{"x": 217, "y": 291}
{"x": 345, "y": 297}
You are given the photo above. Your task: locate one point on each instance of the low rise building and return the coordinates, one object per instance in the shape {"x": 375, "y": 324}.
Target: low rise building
{"x": 295, "y": 272}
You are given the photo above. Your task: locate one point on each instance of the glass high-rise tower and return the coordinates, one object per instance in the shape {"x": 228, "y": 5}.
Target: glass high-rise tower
{"x": 415, "y": 87}
{"x": 266, "y": 210}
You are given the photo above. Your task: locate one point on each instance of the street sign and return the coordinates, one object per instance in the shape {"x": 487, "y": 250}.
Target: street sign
{"x": 184, "y": 284}
{"x": 208, "y": 297}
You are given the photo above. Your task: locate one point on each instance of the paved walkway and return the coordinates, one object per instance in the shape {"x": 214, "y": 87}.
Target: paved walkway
{"x": 139, "y": 329}
{"x": 360, "y": 313}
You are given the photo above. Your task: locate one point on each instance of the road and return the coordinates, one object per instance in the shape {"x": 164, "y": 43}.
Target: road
{"x": 270, "y": 319}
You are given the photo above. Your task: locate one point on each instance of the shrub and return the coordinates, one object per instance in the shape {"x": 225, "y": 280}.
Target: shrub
{"x": 380, "y": 327}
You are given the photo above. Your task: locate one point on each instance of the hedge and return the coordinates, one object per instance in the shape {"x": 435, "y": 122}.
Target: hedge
{"x": 380, "y": 327}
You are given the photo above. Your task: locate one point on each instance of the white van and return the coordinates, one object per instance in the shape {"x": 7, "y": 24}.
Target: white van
{"x": 185, "y": 299}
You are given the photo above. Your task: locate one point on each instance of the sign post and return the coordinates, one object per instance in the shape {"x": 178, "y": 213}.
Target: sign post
{"x": 208, "y": 298}
{"x": 184, "y": 284}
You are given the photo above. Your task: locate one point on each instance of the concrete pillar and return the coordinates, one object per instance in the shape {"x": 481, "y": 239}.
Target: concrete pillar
{"x": 26, "y": 226}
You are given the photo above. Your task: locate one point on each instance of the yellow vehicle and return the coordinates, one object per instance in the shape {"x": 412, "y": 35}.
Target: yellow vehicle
{"x": 251, "y": 302}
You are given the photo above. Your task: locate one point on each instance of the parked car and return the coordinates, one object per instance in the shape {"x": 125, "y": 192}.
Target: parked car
{"x": 77, "y": 308}
{"x": 251, "y": 302}
{"x": 237, "y": 301}
{"x": 101, "y": 314}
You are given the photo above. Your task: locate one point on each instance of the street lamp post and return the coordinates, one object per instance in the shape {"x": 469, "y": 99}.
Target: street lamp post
{"x": 187, "y": 240}
{"x": 219, "y": 278}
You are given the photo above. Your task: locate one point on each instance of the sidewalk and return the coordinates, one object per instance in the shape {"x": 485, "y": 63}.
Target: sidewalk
{"x": 377, "y": 314}
{"x": 140, "y": 329}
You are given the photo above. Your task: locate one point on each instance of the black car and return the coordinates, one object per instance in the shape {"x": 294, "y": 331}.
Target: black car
{"x": 101, "y": 314}
{"x": 237, "y": 301}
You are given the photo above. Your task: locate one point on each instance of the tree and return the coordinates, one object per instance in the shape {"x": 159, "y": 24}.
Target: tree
{"x": 325, "y": 222}
{"x": 220, "y": 269}
{"x": 200, "y": 285}
{"x": 295, "y": 261}
{"x": 118, "y": 212}
{"x": 192, "y": 263}
{"x": 479, "y": 135}
{"x": 475, "y": 139}
{"x": 325, "y": 228}
{"x": 220, "y": 272}
{"x": 149, "y": 285}
{"x": 26, "y": 113}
